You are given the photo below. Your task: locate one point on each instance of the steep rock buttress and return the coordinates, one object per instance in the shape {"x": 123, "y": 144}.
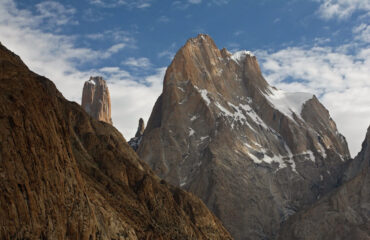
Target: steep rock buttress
{"x": 253, "y": 153}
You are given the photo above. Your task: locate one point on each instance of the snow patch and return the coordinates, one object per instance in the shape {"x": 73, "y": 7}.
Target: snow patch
{"x": 219, "y": 72}
{"x": 191, "y": 132}
{"x": 183, "y": 181}
{"x": 241, "y": 55}
{"x": 204, "y": 94}
{"x": 281, "y": 160}
{"x": 181, "y": 89}
{"x": 288, "y": 103}
{"x": 240, "y": 114}
{"x": 203, "y": 138}
{"x": 322, "y": 151}
{"x": 309, "y": 154}
{"x": 91, "y": 81}
{"x": 193, "y": 118}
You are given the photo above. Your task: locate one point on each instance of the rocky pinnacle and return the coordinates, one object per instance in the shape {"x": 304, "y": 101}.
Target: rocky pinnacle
{"x": 96, "y": 99}
{"x": 135, "y": 141}
{"x": 140, "y": 128}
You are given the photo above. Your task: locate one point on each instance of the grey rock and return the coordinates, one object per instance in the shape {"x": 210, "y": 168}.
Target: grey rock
{"x": 255, "y": 155}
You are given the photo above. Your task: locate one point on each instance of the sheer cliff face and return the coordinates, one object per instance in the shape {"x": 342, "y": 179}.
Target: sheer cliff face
{"x": 342, "y": 214}
{"x": 253, "y": 153}
{"x": 96, "y": 99}
{"x": 64, "y": 175}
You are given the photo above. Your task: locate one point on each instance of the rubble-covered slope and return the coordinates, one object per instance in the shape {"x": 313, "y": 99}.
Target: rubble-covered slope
{"x": 64, "y": 175}
{"x": 253, "y": 153}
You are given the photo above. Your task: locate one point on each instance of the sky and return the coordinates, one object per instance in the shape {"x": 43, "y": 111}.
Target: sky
{"x": 317, "y": 46}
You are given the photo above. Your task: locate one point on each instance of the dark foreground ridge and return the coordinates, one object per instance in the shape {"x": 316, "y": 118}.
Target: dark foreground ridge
{"x": 64, "y": 175}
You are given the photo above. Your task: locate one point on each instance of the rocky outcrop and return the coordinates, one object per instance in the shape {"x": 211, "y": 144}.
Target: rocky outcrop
{"x": 96, "y": 99}
{"x": 342, "y": 214}
{"x": 140, "y": 128}
{"x": 64, "y": 175}
{"x": 254, "y": 154}
{"x": 135, "y": 141}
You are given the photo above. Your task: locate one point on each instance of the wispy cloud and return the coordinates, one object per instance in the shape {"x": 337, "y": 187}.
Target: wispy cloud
{"x": 163, "y": 19}
{"x": 114, "y": 49}
{"x": 362, "y": 32}
{"x": 137, "y": 62}
{"x": 218, "y": 2}
{"x": 184, "y": 4}
{"x": 341, "y": 9}
{"x": 48, "y": 10}
{"x": 169, "y": 52}
{"x": 338, "y": 75}
{"x": 194, "y": 1}
{"x": 238, "y": 33}
{"x": 118, "y": 3}
{"x": 116, "y": 35}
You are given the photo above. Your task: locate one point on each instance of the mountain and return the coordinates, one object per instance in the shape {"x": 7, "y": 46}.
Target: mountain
{"x": 254, "y": 154}
{"x": 65, "y": 175}
{"x": 342, "y": 214}
{"x": 96, "y": 99}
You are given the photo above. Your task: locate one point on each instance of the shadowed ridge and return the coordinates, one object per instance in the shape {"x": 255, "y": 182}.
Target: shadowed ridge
{"x": 343, "y": 213}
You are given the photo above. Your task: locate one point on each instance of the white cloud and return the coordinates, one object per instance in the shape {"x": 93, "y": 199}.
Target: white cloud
{"x": 56, "y": 57}
{"x": 219, "y": 2}
{"x": 362, "y": 32}
{"x": 114, "y": 49}
{"x": 184, "y": 4}
{"x": 340, "y": 79}
{"x": 238, "y": 33}
{"x": 137, "y": 62}
{"x": 195, "y": 1}
{"x": 341, "y": 9}
{"x": 48, "y": 10}
{"x": 163, "y": 19}
{"x": 117, "y": 3}
{"x": 133, "y": 98}
{"x": 114, "y": 35}
{"x": 169, "y": 52}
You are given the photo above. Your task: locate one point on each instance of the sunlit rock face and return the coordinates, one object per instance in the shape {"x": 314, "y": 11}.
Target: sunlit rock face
{"x": 342, "y": 214}
{"x": 96, "y": 99}
{"x": 253, "y": 153}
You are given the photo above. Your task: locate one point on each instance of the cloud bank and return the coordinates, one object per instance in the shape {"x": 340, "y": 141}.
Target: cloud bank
{"x": 56, "y": 56}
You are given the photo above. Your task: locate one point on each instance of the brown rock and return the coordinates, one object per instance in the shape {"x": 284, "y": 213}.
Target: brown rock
{"x": 140, "y": 128}
{"x": 255, "y": 155}
{"x": 135, "y": 141}
{"x": 64, "y": 175}
{"x": 342, "y": 214}
{"x": 96, "y": 99}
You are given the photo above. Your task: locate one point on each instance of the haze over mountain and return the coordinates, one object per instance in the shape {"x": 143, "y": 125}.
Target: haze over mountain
{"x": 254, "y": 154}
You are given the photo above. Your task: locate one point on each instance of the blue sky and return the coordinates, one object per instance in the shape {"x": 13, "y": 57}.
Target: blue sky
{"x": 318, "y": 46}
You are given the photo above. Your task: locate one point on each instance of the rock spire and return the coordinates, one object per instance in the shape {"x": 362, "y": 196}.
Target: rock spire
{"x": 96, "y": 99}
